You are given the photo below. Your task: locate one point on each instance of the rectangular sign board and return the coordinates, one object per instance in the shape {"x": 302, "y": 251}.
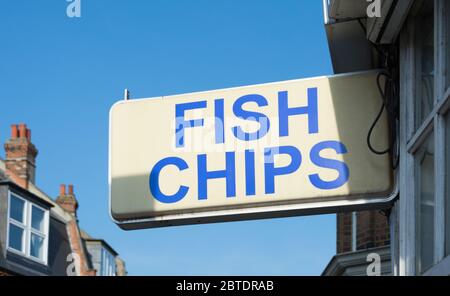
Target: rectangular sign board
{"x": 270, "y": 150}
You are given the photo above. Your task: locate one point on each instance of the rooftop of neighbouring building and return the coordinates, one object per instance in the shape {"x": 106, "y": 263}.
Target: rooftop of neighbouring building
{"x": 18, "y": 169}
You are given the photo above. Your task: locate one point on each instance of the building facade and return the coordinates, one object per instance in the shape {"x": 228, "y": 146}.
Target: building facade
{"x": 410, "y": 41}
{"x": 359, "y": 234}
{"x": 38, "y": 235}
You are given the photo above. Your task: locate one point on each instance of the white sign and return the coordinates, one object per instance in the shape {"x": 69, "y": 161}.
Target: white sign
{"x": 270, "y": 150}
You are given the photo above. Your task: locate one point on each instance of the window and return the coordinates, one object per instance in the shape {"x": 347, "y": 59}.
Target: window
{"x": 425, "y": 196}
{"x": 422, "y": 142}
{"x": 424, "y": 48}
{"x": 108, "y": 267}
{"x": 27, "y": 229}
{"x": 424, "y": 206}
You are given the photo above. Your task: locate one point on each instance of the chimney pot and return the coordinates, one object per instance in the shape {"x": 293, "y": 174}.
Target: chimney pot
{"x": 14, "y": 131}
{"x": 62, "y": 190}
{"x": 22, "y": 130}
{"x": 70, "y": 189}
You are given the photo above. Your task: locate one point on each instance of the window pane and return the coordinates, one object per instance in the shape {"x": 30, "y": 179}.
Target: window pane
{"x": 424, "y": 37}
{"x": 108, "y": 263}
{"x": 15, "y": 238}
{"x": 36, "y": 246}
{"x": 103, "y": 272}
{"x": 37, "y": 219}
{"x": 16, "y": 209}
{"x": 424, "y": 160}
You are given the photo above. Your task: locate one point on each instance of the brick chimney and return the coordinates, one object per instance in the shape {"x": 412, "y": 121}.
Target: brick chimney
{"x": 67, "y": 200}
{"x": 21, "y": 154}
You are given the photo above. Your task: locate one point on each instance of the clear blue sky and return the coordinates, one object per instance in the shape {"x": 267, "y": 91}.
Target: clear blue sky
{"x": 61, "y": 75}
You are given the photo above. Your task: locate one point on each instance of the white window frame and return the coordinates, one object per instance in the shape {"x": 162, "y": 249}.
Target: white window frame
{"x": 411, "y": 139}
{"x": 28, "y": 229}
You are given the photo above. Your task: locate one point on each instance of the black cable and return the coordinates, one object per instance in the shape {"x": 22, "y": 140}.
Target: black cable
{"x": 390, "y": 103}
{"x": 369, "y": 134}
{"x": 391, "y": 108}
